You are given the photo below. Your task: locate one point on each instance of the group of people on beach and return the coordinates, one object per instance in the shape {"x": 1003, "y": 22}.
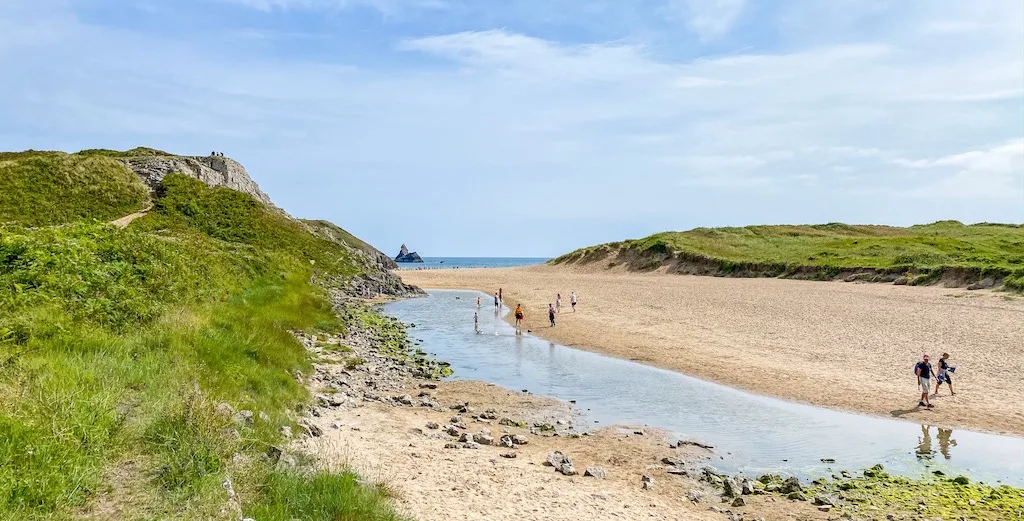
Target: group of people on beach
{"x": 519, "y": 314}
{"x": 924, "y": 372}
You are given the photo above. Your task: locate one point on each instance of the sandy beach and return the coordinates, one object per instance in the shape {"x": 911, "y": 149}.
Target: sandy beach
{"x": 840, "y": 345}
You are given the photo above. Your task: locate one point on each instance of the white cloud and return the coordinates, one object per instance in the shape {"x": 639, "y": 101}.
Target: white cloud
{"x": 994, "y": 172}
{"x": 388, "y": 7}
{"x": 710, "y": 19}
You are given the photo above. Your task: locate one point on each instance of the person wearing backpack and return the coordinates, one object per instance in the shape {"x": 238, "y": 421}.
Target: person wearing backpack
{"x": 923, "y": 370}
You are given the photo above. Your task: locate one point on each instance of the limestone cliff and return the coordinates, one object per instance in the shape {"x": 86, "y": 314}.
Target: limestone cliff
{"x": 212, "y": 170}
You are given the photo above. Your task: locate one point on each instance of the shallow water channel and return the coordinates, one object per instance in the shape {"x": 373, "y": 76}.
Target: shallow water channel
{"x": 751, "y": 433}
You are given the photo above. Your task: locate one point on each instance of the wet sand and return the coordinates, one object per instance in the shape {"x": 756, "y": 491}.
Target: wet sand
{"x": 839, "y": 345}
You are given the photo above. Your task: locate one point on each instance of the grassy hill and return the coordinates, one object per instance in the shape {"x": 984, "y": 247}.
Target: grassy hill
{"x": 118, "y": 348}
{"x": 948, "y": 251}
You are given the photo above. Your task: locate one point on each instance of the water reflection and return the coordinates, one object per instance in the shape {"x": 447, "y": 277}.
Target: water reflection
{"x": 924, "y": 442}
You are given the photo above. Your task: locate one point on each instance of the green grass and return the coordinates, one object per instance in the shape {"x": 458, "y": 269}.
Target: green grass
{"x": 117, "y": 345}
{"x": 43, "y": 188}
{"x": 982, "y": 249}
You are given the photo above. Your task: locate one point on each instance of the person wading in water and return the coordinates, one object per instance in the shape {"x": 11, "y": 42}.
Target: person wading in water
{"x": 519, "y": 318}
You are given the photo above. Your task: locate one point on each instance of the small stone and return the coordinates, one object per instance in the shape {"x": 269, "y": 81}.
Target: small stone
{"x": 738, "y": 502}
{"x": 824, "y": 500}
{"x": 824, "y": 508}
{"x": 470, "y": 445}
{"x": 428, "y": 386}
{"x": 455, "y": 419}
{"x": 506, "y": 441}
{"x": 594, "y": 472}
{"x": 225, "y": 409}
{"x": 286, "y": 431}
{"x": 567, "y": 469}
{"x": 672, "y": 461}
{"x": 971, "y": 502}
{"x": 483, "y": 439}
{"x": 405, "y": 399}
{"x": 519, "y": 439}
{"x": 452, "y": 446}
{"x": 695, "y": 496}
{"x": 555, "y": 459}
{"x": 452, "y": 430}
{"x": 509, "y": 455}
{"x": 646, "y": 482}
{"x": 797, "y": 496}
{"x": 244, "y": 417}
{"x": 433, "y": 425}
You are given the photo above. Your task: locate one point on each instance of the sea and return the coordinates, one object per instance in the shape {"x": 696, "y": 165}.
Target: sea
{"x": 435, "y": 263}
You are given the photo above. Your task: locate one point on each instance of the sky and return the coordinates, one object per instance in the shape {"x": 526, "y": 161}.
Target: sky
{"x": 534, "y": 127}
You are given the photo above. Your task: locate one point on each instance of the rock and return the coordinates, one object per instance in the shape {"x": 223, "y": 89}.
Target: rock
{"x": 797, "y": 496}
{"x": 452, "y": 446}
{"x": 791, "y": 485}
{"x": 746, "y": 487}
{"x": 214, "y": 171}
{"x": 902, "y": 281}
{"x": 335, "y": 400}
{"x": 678, "y": 471}
{"x": 466, "y": 437}
{"x": 224, "y": 409}
{"x": 455, "y": 419}
{"x": 433, "y": 425}
{"x": 428, "y": 386}
{"x": 555, "y": 459}
{"x": 738, "y": 502}
{"x": 731, "y": 488}
{"x": 286, "y": 431}
{"x": 405, "y": 399}
{"x": 675, "y": 462}
{"x": 519, "y": 439}
{"x": 509, "y": 455}
{"x": 828, "y": 460}
{"x": 489, "y": 414}
{"x": 824, "y": 508}
{"x": 263, "y": 417}
{"x": 470, "y": 445}
{"x": 335, "y": 425}
{"x": 567, "y": 469}
{"x": 312, "y": 430}
{"x": 483, "y": 439}
{"x": 594, "y": 472}
{"x": 506, "y": 441}
{"x": 404, "y": 255}
{"x": 244, "y": 418}
{"x": 646, "y": 482}
{"x": 452, "y": 430}
{"x": 823, "y": 499}
{"x": 683, "y": 443}
{"x": 695, "y": 496}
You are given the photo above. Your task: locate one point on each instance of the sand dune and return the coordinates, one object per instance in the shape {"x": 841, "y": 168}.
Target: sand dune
{"x": 840, "y": 345}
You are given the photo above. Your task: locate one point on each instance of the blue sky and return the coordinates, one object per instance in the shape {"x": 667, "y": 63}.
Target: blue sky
{"x": 532, "y": 127}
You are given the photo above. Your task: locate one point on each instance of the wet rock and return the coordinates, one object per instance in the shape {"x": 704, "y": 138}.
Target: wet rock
{"x": 824, "y": 499}
{"x": 646, "y": 482}
{"x": 433, "y": 425}
{"x": 595, "y": 472}
{"x": 791, "y": 485}
{"x": 738, "y": 502}
{"x": 555, "y": 459}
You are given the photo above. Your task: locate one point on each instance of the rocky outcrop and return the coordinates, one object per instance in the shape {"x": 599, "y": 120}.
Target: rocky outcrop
{"x": 212, "y": 170}
{"x": 404, "y": 255}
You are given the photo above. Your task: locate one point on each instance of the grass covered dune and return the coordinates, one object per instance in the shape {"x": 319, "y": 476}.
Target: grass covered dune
{"x": 118, "y": 348}
{"x": 984, "y": 255}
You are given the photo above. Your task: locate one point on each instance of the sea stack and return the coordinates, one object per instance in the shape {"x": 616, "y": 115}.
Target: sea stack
{"x": 404, "y": 255}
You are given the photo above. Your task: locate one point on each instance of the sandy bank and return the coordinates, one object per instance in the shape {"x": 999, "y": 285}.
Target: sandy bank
{"x": 840, "y": 345}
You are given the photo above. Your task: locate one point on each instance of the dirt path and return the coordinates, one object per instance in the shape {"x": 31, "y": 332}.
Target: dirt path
{"x": 840, "y": 345}
{"x": 123, "y": 222}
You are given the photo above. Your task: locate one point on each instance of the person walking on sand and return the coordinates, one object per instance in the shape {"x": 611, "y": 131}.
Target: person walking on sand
{"x": 519, "y": 318}
{"x": 923, "y": 370}
{"x": 572, "y": 301}
{"x": 558, "y": 303}
{"x": 945, "y": 370}
{"x": 551, "y": 314}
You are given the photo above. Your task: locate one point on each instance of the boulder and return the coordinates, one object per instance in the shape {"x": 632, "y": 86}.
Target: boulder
{"x": 567, "y": 469}
{"x": 791, "y": 485}
{"x": 594, "y": 472}
{"x": 555, "y": 459}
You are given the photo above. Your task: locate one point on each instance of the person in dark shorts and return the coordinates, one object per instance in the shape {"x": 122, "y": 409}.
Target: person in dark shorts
{"x": 572, "y": 301}
{"x": 497, "y": 302}
{"x": 945, "y": 371}
{"x": 551, "y": 314}
{"x": 923, "y": 370}
{"x": 519, "y": 317}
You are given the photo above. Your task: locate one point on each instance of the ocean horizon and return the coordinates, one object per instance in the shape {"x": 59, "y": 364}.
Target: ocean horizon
{"x": 434, "y": 263}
